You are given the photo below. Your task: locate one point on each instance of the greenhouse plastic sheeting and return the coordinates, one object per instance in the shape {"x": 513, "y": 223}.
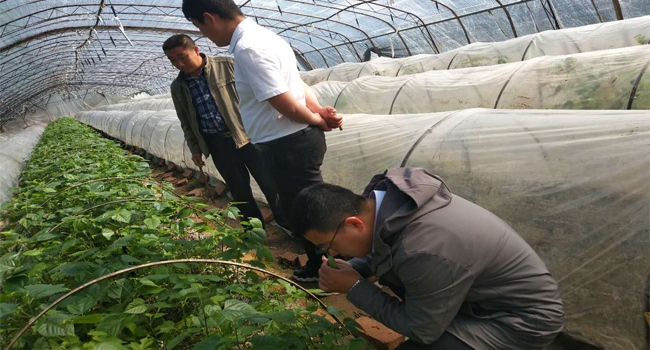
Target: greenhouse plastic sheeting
{"x": 157, "y": 132}
{"x": 574, "y": 184}
{"x": 15, "y": 147}
{"x": 611, "y": 79}
{"x": 160, "y": 102}
{"x": 603, "y": 36}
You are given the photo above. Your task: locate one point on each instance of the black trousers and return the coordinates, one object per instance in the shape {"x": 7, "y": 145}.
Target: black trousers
{"x": 234, "y": 164}
{"x": 295, "y": 162}
{"x": 446, "y": 342}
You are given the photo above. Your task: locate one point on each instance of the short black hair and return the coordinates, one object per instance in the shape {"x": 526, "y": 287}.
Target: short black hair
{"x": 194, "y": 9}
{"x": 178, "y": 40}
{"x": 323, "y": 207}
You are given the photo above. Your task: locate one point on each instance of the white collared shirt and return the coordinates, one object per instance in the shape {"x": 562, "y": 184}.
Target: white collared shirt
{"x": 379, "y": 197}
{"x": 265, "y": 67}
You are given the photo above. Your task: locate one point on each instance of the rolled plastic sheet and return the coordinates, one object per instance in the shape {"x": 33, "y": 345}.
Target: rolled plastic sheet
{"x": 154, "y": 103}
{"x": 602, "y": 36}
{"x": 327, "y": 92}
{"x": 611, "y": 79}
{"x": 15, "y": 147}
{"x": 573, "y": 184}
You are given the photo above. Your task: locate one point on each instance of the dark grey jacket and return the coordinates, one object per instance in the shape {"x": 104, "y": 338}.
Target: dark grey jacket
{"x": 457, "y": 267}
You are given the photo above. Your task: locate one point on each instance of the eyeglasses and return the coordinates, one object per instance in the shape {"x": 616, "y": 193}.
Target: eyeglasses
{"x": 320, "y": 250}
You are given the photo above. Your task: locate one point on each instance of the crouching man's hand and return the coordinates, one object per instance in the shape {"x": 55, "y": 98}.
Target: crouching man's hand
{"x": 338, "y": 280}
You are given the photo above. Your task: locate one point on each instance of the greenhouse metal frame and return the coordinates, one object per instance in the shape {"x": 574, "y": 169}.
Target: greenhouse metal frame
{"x": 57, "y": 47}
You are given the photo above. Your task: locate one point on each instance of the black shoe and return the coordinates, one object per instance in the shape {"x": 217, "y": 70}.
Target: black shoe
{"x": 305, "y": 274}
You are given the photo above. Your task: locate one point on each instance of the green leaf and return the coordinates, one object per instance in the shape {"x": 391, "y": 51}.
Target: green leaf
{"x": 256, "y": 223}
{"x": 69, "y": 243}
{"x": 269, "y": 342}
{"x": 284, "y": 316}
{"x": 39, "y": 291}
{"x": 152, "y": 222}
{"x": 185, "y": 212}
{"x": 212, "y": 310}
{"x": 89, "y": 319}
{"x": 230, "y": 242}
{"x": 331, "y": 262}
{"x": 129, "y": 259}
{"x": 108, "y": 233}
{"x": 352, "y": 325}
{"x": 45, "y": 237}
{"x": 334, "y": 311}
{"x": 48, "y": 329}
{"x": 238, "y": 305}
{"x": 108, "y": 346}
{"x": 122, "y": 215}
{"x": 147, "y": 282}
{"x": 258, "y": 234}
{"x": 137, "y": 306}
{"x": 209, "y": 343}
{"x": 33, "y": 252}
{"x": 6, "y": 310}
{"x": 82, "y": 306}
{"x": 179, "y": 338}
{"x": 163, "y": 305}
{"x": 165, "y": 327}
{"x": 320, "y": 326}
{"x": 112, "y": 324}
{"x": 232, "y": 213}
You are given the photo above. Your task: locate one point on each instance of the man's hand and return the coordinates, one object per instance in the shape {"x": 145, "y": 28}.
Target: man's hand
{"x": 322, "y": 123}
{"x": 197, "y": 158}
{"x": 338, "y": 280}
{"x": 332, "y": 119}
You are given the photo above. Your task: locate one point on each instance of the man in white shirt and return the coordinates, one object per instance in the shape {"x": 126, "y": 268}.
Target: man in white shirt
{"x": 280, "y": 113}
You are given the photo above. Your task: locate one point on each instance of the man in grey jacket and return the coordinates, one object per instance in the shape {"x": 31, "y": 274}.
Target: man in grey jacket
{"x": 464, "y": 278}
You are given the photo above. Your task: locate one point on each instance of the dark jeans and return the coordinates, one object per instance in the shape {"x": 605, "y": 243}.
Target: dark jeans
{"x": 447, "y": 341}
{"x": 233, "y": 165}
{"x": 294, "y": 161}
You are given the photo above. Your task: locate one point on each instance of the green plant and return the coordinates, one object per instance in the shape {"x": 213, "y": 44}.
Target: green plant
{"x": 93, "y": 210}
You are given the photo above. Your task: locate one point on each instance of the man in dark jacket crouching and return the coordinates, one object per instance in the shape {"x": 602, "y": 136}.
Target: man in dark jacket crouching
{"x": 465, "y": 279}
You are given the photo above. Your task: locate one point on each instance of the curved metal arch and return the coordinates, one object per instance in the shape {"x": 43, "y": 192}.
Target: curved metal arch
{"x": 22, "y": 98}
{"x": 29, "y": 50}
{"x": 312, "y": 46}
{"x": 75, "y": 28}
{"x": 111, "y": 59}
{"x": 151, "y": 6}
{"x": 135, "y": 6}
{"x": 66, "y": 77}
{"x": 43, "y": 58}
{"x": 320, "y": 28}
{"x": 305, "y": 32}
{"x": 46, "y": 88}
{"x": 462, "y": 26}
{"x": 374, "y": 3}
{"x": 512, "y": 24}
{"x": 364, "y": 14}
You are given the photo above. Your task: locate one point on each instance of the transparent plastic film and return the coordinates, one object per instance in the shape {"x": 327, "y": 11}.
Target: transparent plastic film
{"x": 16, "y": 144}
{"x": 595, "y": 37}
{"x": 573, "y": 184}
{"x": 610, "y": 79}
